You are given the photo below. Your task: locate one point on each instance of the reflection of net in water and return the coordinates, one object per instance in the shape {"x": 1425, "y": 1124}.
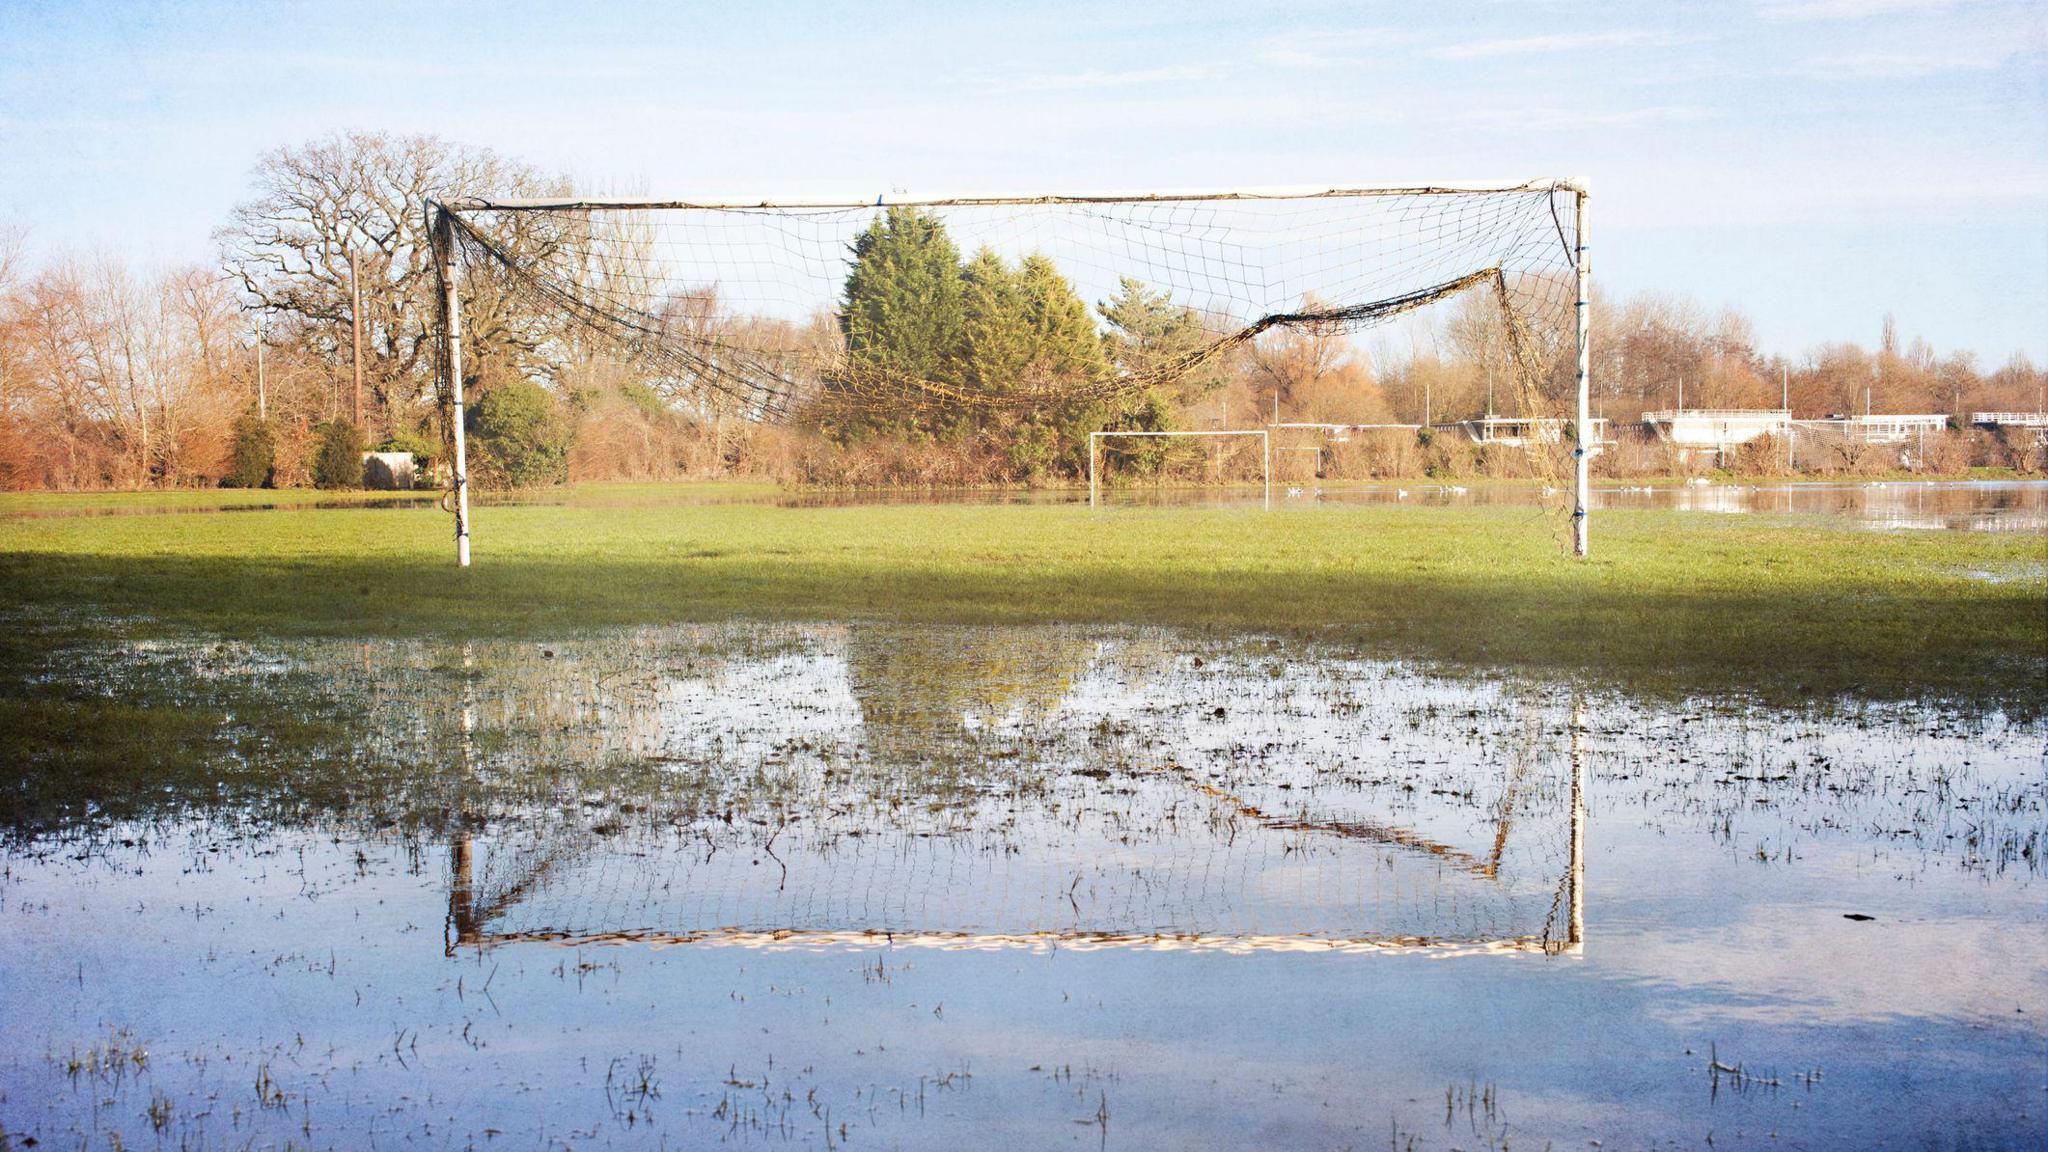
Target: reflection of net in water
{"x": 1175, "y": 833}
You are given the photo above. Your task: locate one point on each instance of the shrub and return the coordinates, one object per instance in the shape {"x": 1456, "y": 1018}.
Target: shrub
{"x": 521, "y": 437}
{"x": 252, "y": 459}
{"x": 1763, "y": 456}
{"x": 1450, "y": 457}
{"x": 338, "y": 462}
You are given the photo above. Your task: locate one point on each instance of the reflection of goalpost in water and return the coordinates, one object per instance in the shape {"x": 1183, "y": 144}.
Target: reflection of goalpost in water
{"x": 1265, "y": 456}
{"x": 1230, "y": 875}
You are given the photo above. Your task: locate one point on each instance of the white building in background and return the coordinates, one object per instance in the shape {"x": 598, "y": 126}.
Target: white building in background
{"x": 390, "y": 471}
{"x": 1521, "y": 431}
{"x": 1999, "y": 421}
{"x": 1698, "y": 431}
{"x": 1882, "y": 429}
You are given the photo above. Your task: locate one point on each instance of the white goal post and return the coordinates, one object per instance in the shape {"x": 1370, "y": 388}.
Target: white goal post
{"x": 742, "y": 305}
{"x": 1265, "y": 456}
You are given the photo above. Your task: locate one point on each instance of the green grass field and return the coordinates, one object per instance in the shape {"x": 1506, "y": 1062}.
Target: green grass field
{"x": 1788, "y": 608}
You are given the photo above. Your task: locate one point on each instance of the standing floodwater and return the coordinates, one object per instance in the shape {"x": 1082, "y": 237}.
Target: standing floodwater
{"x": 1961, "y": 505}
{"x": 942, "y": 887}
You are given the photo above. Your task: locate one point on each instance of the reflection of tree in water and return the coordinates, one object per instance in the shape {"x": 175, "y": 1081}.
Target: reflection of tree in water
{"x": 924, "y": 689}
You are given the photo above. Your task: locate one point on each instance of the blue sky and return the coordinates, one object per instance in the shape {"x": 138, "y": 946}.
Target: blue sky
{"x": 1815, "y": 162}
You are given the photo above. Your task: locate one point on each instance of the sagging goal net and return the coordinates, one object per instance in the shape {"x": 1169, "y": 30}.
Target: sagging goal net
{"x": 1071, "y": 311}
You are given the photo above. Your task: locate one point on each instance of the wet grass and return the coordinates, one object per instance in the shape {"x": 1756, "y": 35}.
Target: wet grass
{"x": 1785, "y": 607}
{"x": 194, "y": 499}
{"x": 235, "y": 499}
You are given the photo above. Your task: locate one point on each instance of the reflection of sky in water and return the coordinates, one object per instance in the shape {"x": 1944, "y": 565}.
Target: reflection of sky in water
{"x": 1974, "y": 506}
{"x": 747, "y": 710}
{"x": 1726, "y": 844}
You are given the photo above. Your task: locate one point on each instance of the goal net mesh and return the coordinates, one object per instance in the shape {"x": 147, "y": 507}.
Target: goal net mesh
{"x": 750, "y": 311}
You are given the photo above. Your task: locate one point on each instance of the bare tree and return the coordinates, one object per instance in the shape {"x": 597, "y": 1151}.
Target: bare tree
{"x": 1316, "y": 373}
{"x": 11, "y": 245}
{"x": 288, "y": 248}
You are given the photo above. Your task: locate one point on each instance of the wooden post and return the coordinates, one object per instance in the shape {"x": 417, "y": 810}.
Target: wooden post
{"x": 262, "y": 406}
{"x": 1266, "y": 438}
{"x": 355, "y": 325}
{"x": 1093, "y": 437}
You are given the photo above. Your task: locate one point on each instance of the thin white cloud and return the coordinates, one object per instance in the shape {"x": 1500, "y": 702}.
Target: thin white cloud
{"x": 1799, "y": 11}
{"x": 1571, "y": 119}
{"x": 1327, "y": 49}
{"x": 1906, "y": 65}
{"x": 1079, "y": 81}
{"x": 1561, "y": 42}
{"x": 1281, "y": 56}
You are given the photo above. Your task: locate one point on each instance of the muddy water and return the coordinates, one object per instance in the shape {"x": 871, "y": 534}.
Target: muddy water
{"x": 1006, "y": 887}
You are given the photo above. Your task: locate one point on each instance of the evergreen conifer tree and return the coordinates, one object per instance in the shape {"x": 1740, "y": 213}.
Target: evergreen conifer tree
{"x": 1148, "y": 330}
{"x": 901, "y": 309}
{"x": 995, "y": 346}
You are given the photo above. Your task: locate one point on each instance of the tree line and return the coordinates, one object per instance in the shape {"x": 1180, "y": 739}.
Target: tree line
{"x": 117, "y": 375}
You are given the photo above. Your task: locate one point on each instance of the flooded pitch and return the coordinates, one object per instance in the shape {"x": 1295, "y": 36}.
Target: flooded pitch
{"x": 1880, "y": 505}
{"x": 884, "y": 886}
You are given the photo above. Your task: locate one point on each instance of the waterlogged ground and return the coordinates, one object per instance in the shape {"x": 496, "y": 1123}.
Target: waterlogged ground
{"x": 887, "y": 886}
{"x": 1955, "y": 505}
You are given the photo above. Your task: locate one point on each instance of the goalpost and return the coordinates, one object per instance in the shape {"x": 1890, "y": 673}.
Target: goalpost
{"x": 780, "y": 310}
{"x": 1265, "y": 456}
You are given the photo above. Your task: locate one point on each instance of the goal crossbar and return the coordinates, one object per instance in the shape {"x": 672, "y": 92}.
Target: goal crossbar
{"x": 1265, "y": 455}
{"x": 968, "y": 200}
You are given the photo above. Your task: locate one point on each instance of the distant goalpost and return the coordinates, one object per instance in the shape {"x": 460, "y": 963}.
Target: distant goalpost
{"x": 733, "y": 308}
{"x": 1265, "y": 455}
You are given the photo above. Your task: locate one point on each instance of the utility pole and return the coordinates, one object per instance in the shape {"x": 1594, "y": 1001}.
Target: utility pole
{"x": 355, "y": 323}
{"x": 262, "y": 412}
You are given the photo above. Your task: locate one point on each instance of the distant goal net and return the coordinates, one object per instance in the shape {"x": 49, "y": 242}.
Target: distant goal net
{"x": 1058, "y": 312}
